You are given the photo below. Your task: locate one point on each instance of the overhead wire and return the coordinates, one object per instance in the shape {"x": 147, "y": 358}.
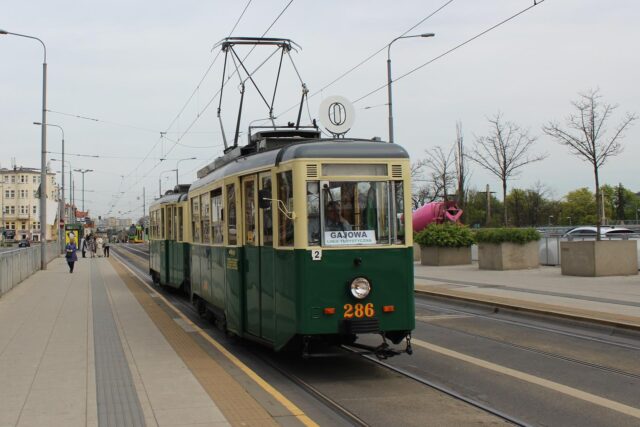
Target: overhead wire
{"x": 162, "y": 134}
{"x": 458, "y": 46}
{"x": 367, "y": 59}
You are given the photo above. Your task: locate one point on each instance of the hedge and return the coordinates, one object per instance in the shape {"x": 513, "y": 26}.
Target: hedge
{"x": 445, "y": 235}
{"x": 507, "y": 235}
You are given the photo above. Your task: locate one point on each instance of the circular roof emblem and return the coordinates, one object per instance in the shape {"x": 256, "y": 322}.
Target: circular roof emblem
{"x": 337, "y": 114}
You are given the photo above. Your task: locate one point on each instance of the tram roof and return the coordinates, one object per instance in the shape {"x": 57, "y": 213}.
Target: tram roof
{"x": 316, "y": 149}
{"x": 170, "y": 198}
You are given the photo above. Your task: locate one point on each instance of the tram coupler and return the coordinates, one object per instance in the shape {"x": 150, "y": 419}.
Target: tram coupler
{"x": 409, "y": 348}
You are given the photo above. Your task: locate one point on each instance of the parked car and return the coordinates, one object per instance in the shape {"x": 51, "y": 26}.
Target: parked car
{"x": 24, "y": 243}
{"x": 607, "y": 232}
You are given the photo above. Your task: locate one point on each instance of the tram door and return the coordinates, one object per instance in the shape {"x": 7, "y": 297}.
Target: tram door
{"x": 267, "y": 287}
{"x": 258, "y": 255}
{"x": 251, "y": 255}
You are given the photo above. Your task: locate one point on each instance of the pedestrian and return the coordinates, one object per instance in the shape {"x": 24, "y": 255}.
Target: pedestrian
{"x": 92, "y": 246}
{"x": 99, "y": 247}
{"x": 106, "y": 248}
{"x": 70, "y": 252}
{"x": 83, "y": 246}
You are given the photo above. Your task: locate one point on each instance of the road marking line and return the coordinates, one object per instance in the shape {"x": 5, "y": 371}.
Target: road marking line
{"x": 561, "y": 388}
{"x": 291, "y": 407}
{"x": 442, "y": 317}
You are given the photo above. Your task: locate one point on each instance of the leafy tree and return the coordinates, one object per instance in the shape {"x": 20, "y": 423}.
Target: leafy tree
{"x": 476, "y": 209}
{"x": 580, "y": 206}
{"x": 585, "y": 135}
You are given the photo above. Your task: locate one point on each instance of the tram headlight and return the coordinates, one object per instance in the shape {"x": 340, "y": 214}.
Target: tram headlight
{"x": 360, "y": 287}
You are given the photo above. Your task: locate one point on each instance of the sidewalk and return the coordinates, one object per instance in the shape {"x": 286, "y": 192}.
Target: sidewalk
{"x": 612, "y": 301}
{"x": 80, "y": 349}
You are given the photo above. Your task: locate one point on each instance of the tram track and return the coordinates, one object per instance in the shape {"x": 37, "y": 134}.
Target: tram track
{"x": 315, "y": 392}
{"x": 543, "y": 353}
{"x": 431, "y": 384}
{"x": 528, "y": 325}
{"x": 327, "y": 397}
{"x": 190, "y": 311}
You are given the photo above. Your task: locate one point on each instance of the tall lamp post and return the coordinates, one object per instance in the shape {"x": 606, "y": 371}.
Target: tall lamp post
{"x": 43, "y": 154}
{"x": 160, "y": 179}
{"x": 178, "y": 164}
{"x": 83, "y": 171}
{"x": 67, "y": 220}
{"x": 390, "y": 81}
{"x": 62, "y": 213}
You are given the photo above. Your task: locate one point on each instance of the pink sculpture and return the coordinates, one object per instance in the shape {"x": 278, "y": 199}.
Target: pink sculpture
{"x": 437, "y": 212}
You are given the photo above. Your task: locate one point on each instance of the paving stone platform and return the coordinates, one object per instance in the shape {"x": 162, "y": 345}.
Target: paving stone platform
{"x": 92, "y": 349}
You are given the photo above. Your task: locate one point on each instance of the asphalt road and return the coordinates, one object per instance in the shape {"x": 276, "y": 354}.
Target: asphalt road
{"x": 538, "y": 370}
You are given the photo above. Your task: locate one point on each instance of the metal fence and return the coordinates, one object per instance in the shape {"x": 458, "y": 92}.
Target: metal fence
{"x": 18, "y": 264}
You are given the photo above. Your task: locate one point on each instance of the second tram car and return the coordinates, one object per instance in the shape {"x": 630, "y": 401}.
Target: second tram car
{"x": 294, "y": 238}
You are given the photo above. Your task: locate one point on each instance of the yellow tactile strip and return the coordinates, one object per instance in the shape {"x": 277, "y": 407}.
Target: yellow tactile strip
{"x": 238, "y": 406}
{"x": 620, "y": 320}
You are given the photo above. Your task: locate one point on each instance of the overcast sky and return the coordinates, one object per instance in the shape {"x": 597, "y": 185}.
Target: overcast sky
{"x": 134, "y": 64}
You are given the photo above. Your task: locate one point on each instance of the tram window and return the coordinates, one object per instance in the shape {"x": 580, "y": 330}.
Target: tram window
{"x": 285, "y": 195}
{"x": 250, "y": 213}
{"x": 195, "y": 219}
{"x": 267, "y": 216}
{"x": 205, "y": 218}
{"x": 231, "y": 209}
{"x": 180, "y": 226}
{"x": 356, "y": 206}
{"x": 216, "y": 216}
{"x": 170, "y": 223}
{"x": 399, "y": 211}
{"x": 162, "y": 225}
{"x": 313, "y": 212}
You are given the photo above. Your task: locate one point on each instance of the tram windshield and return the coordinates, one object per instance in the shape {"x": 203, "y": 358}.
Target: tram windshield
{"x": 347, "y": 213}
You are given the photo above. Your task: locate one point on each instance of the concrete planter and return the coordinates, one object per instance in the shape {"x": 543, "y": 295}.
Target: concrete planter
{"x": 508, "y": 256}
{"x": 416, "y": 252}
{"x": 433, "y": 255}
{"x": 603, "y": 258}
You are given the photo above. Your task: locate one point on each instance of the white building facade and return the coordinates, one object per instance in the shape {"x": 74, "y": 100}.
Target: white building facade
{"x": 20, "y": 206}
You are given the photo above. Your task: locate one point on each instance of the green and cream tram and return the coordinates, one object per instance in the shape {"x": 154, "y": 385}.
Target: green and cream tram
{"x": 305, "y": 239}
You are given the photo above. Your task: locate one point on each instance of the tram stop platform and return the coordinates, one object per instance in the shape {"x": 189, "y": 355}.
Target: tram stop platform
{"x": 609, "y": 301}
{"x": 99, "y": 347}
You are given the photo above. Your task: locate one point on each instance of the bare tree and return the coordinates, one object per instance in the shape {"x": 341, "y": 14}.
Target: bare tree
{"x": 441, "y": 165}
{"x": 421, "y": 191}
{"x": 504, "y": 151}
{"x": 461, "y": 166}
{"x": 585, "y": 135}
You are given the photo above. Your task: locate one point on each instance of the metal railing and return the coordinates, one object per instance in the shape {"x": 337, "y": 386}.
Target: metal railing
{"x": 18, "y": 264}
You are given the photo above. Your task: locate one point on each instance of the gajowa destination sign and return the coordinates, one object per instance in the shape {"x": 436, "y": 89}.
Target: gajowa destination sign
{"x": 347, "y": 238}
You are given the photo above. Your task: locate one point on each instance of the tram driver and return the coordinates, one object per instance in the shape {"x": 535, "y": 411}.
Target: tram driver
{"x": 334, "y": 219}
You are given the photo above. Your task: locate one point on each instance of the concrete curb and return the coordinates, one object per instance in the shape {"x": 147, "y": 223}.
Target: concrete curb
{"x": 534, "y": 310}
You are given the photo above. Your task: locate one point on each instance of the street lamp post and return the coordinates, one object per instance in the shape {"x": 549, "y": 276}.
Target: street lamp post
{"x": 390, "y": 81}
{"x": 67, "y": 220}
{"x": 43, "y": 154}
{"x": 62, "y": 213}
{"x": 178, "y": 164}
{"x": 160, "y": 179}
{"x": 569, "y": 218}
{"x": 83, "y": 171}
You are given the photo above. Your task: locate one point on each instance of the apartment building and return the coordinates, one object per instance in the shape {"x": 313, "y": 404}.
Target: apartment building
{"x": 20, "y": 206}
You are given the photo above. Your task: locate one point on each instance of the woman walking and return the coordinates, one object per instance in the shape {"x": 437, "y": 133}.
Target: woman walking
{"x": 70, "y": 252}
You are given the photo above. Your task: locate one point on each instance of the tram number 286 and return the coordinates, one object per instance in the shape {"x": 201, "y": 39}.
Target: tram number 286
{"x": 358, "y": 310}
